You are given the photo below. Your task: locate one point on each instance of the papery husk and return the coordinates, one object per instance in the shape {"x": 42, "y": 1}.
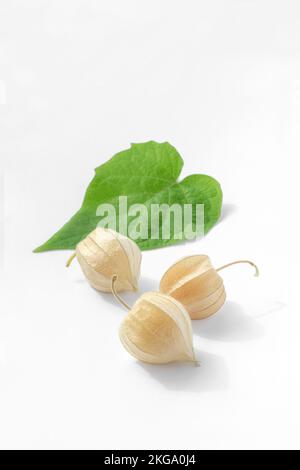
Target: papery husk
{"x": 105, "y": 253}
{"x": 158, "y": 330}
{"x": 195, "y": 283}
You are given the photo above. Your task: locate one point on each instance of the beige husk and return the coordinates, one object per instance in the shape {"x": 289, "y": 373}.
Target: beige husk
{"x": 195, "y": 283}
{"x": 158, "y": 330}
{"x": 104, "y": 254}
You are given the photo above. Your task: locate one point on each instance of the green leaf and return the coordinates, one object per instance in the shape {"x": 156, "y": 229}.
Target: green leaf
{"x": 146, "y": 173}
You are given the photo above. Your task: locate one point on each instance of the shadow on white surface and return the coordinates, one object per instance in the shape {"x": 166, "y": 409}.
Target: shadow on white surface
{"x": 272, "y": 307}
{"x": 227, "y": 211}
{"x": 230, "y": 324}
{"x": 79, "y": 280}
{"x": 212, "y": 374}
{"x": 147, "y": 285}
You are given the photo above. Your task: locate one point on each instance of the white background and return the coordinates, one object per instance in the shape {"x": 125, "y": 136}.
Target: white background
{"x": 220, "y": 80}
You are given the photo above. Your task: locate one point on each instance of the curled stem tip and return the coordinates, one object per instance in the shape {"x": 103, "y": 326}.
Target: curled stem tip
{"x": 116, "y": 295}
{"x": 70, "y": 259}
{"x": 241, "y": 262}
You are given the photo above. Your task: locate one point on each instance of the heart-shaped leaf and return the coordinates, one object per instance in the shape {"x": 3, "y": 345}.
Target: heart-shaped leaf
{"x": 146, "y": 174}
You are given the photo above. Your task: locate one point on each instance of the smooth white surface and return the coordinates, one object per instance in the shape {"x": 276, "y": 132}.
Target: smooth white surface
{"x": 220, "y": 80}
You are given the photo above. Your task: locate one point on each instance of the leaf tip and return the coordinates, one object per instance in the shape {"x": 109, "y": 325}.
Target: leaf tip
{"x": 39, "y": 249}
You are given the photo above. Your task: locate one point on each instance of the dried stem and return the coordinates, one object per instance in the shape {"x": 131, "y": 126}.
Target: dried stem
{"x": 71, "y": 259}
{"x": 116, "y": 295}
{"x": 241, "y": 262}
